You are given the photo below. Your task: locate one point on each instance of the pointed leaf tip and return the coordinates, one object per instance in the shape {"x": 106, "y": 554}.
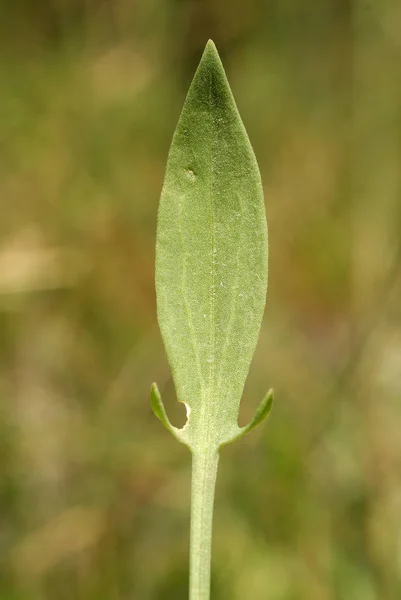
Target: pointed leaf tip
{"x": 211, "y": 55}
{"x": 210, "y": 45}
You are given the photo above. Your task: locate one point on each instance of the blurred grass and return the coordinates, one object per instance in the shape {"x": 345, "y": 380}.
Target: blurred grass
{"x": 94, "y": 495}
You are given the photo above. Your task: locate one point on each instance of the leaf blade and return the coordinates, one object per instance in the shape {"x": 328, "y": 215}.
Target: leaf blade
{"x": 211, "y": 254}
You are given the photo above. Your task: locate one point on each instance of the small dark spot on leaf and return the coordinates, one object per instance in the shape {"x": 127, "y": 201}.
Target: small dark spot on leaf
{"x": 190, "y": 174}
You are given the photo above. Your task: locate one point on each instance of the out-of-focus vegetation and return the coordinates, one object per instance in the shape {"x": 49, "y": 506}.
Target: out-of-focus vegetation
{"x": 94, "y": 495}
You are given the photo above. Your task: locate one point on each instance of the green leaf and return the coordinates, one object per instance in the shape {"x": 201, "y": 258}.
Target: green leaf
{"x": 211, "y": 259}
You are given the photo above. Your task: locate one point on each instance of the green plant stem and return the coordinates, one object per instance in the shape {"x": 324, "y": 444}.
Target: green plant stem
{"x": 204, "y": 471}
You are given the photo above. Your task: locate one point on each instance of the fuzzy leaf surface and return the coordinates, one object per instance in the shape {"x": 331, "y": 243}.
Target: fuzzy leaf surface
{"x": 211, "y": 257}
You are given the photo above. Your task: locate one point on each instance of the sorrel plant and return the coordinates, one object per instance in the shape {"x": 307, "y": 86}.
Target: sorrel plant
{"x": 211, "y": 283}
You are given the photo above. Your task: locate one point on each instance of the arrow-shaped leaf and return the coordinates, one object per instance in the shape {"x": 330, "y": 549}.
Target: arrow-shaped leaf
{"x": 211, "y": 281}
{"x": 211, "y": 256}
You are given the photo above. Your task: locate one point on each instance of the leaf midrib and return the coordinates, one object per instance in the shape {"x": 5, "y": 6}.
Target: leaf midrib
{"x": 212, "y": 351}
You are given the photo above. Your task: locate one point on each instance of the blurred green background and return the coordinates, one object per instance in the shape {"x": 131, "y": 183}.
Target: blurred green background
{"x": 94, "y": 493}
